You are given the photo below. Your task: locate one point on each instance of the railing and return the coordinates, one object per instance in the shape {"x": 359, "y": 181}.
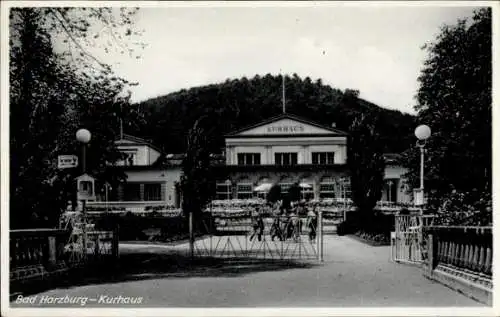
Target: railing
{"x": 32, "y": 247}
{"x": 40, "y": 253}
{"x": 464, "y": 253}
{"x": 129, "y": 206}
{"x": 468, "y": 248}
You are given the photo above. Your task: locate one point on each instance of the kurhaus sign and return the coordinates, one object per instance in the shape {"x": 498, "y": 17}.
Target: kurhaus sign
{"x": 285, "y": 129}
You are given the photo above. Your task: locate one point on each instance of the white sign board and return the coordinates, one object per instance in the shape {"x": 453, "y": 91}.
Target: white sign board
{"x": 418, "y": 196}
{"x": 67, "y": 161}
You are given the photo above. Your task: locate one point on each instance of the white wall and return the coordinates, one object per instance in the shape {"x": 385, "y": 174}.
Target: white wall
{"x": 251, "y": 149}
{"x": 285, "y": 126}
{"x": 173, "y": 175}
{"x": 145, "y": 155}
{"x": 167, "y": 177}
{"x": 153, "y": 155}
{"x": 339, "y": 150}
{"x": 397, "y": 172}
{"x": 146, "y": 176}
{"x": 267, "y": 152}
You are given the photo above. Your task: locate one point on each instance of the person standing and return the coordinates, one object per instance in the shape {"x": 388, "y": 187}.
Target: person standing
{"x": 312, "y": 224}
{"x": 276, "y": 228}
{"x": 258, "y": 226}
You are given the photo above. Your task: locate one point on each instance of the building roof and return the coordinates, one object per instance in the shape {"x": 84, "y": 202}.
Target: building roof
{"x": 170, "y": 160}
{"x": 138, "y": 141}
{"x": 392, "y": 158}
{"x": 287, "y": 116}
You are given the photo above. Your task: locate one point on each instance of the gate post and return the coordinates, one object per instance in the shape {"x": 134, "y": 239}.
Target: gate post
{"x": 430, "y": 254}
{"x": 115, "y": 243}
{"x": 191, "y": 236}
{"x": 320, "y": 236}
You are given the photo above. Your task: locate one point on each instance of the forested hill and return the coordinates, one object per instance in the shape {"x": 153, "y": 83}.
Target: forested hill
{"x": 240, "y": 102}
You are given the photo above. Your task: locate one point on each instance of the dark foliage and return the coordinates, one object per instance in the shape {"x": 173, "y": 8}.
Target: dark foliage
{"x": 197, "y": 178}
{"x": 274, "y": 194}
{"x": 52, "y": 95}
{"x": 150, "y": 228}
{"x": 236, "y": 103}
{"x": 366, "y": 164}
{"x": 454, "y": 99}
{"x": 294, "y": 192}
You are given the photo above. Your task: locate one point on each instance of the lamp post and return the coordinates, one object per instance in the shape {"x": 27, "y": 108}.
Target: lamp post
{"x": 83, "y": 136}
{"x": 422, "y": 132}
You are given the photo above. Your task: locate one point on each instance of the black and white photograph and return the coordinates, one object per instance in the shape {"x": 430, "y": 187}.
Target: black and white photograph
{"x": 248, "y": 158}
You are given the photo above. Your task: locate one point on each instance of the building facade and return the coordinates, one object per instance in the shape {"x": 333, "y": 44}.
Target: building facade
{"x": 147, "y": 180}
{"x": 282, "y": 150}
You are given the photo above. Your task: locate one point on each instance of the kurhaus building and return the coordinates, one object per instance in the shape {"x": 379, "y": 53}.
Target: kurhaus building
{"x": 282, "y": 150}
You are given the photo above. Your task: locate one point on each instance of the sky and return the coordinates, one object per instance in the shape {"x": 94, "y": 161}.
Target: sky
{"x": 374, "y": 49}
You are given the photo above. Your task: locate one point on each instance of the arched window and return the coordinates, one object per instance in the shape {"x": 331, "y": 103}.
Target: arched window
{"x": 263, "y": 180}
{"x": 285, "y": 183}
{"x": 223, "y": 189}
{"x": 244, "y": 188}
{"x": 307, "y": 190}
{"x": 327, "y": 187}
{"x": 345, "y": 187}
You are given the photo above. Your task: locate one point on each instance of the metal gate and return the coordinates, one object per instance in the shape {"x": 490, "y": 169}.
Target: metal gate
{"x": 283, "y": 237}
{"x": 408, "y": 244}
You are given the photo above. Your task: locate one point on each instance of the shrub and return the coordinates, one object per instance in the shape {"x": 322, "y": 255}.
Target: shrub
{"x": 344, "y": 228}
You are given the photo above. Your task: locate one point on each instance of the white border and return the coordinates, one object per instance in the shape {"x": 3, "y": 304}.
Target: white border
{"x": 384, "y": 311}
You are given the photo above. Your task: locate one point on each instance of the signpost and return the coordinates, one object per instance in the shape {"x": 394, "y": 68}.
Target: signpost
{"x": 67, "y": 161}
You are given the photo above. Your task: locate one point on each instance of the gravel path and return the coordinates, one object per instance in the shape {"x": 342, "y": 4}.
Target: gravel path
{"x": 352, "y": 275}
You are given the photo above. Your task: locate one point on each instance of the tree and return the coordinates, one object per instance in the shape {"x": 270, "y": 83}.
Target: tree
{"x": 274, "y": 193}
{"x": 454, "y": 99}
{"x": 51, "y": 96}
{"x": 366, "y": 164}
{"x": 196, "y": 182}
{"x": 234, "y": 104}
{"x": 294, "y": 192}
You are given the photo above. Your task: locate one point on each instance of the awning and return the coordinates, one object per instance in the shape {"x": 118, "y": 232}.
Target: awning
{"x": 304, "y": 185}
{"x": 265, "y": 187}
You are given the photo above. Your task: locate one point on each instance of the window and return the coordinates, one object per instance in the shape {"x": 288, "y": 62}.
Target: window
{"x": 86, "y": 186}
{"x": 132, "y": 192}
{"x": 323, "y": 158}
{"x": 345, "y": 188}
{"x": 307, "y": 189}
{"x": 130, "y": 158}
{"x": 152, "y": 192}
{"x": 222, "y": 190}
{"x": 248, "y": 158}
{"x": 244, "y": 190}
{"x": 285, "y": 187}
{"x": 327, "y": 188}
{"x": 391, "y": 190}
{"x": 285, "y": 158}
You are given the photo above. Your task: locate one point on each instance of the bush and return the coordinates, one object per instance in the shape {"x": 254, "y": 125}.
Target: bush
{"x": 465, "y": 209}
{"x": 377, "y": 238}
{"x": 274, "y": 194}
{"x": 344, "y": 228}
{"x": 379, "y": 224}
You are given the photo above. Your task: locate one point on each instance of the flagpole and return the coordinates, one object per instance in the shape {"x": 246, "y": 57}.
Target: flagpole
{"x": 121, "y": 122}
{"x": 283, "y": 98}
